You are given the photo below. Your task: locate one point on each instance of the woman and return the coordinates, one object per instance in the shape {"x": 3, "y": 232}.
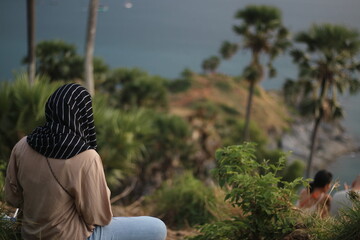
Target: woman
{"x": 56, "y": 177}
{"x": 315, "y": 198}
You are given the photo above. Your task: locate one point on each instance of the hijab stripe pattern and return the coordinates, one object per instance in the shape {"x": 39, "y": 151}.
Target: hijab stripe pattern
{"x": 69, "y": 128}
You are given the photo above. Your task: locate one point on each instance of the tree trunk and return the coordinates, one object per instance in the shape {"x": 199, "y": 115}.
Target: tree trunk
{"x": 316, "y": 126}
{"x": 90, "y": 42}
{"x": 246, "y": 136}
{"x": 312, "y": 146}
{"x": 31, "y": 39}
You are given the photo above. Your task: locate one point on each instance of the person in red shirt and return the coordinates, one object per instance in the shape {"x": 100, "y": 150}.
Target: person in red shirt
{"x": 316, "y": 199}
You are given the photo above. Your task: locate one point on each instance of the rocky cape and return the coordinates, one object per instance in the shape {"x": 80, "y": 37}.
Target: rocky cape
{"x": 270, "y": 113}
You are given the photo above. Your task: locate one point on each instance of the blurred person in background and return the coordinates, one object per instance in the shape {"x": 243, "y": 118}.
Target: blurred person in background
{"x": 341, "y": 199}
{"x": 315, "y": 198}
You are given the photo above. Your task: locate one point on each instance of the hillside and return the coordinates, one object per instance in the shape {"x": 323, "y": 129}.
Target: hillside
{"x": 229, "y": 97}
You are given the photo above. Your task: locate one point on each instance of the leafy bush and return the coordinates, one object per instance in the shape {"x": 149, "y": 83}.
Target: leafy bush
{"x": 120, "y": 138}
{"x": 167, "y": 150}
{"x": 21, "y": 109}
{"x": 231, "y": 132}
{"x": 267, "y": 208}
{"x": 293, "y": 171}
{"x": 185, "y": 201}
{"x": 181, "y": 84}
{"x": 135, "y": 88}
{"x": 149, "y": 92}
{"x": 59, "y": 60}
{"x": 205, "y": 109}
{"x": 229, "y": 110}
{"x": 223, "y": 86}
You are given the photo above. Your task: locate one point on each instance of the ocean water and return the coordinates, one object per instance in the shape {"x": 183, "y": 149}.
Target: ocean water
{"x": 165, "y": 36}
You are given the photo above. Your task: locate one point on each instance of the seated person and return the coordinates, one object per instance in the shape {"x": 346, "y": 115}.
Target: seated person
{"x": 315, "y": 198}
{"x": 56, "y": 178}
{"x": 341, "y": 199}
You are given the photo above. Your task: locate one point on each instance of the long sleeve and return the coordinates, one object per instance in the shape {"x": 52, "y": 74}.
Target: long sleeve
{"x": 13, "y": 191}
{"x": 93, "y": 200}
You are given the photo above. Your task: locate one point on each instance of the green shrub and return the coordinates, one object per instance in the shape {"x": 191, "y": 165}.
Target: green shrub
{"x": 181, "y": 84}
{"x": 167, "y": 150}
{"x": 223, "y": 86}
{"x": 185, "y": 201}
{"x": 231, "y": 132}
{"x": 229, "y": 110}
{"x": 293, "y": 171}
{"x": 22, "y": 108}
{"x": 149, "y": 92}
{"x": 205, "y": 109}
{"x": 267, "y": 208}
{"x": 120, "y": 138}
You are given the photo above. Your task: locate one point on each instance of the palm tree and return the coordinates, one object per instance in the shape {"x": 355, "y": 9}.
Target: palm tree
{"x": 329, "y": 67}
{"x": 90, "y": 42}
{"x": 30, "y": 6}
{"x": 262, "y": 33}
{"x": 211, "y": 64}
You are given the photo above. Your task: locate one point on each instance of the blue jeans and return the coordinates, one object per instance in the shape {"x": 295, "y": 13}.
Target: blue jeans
{"x": 131, "y": 228}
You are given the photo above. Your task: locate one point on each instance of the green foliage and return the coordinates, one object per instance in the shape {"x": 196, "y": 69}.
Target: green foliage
{"x": 211, "y": 64}
{"x": 206, "y": 109}
{"x": 120, "y": 139}
{"x": 231, "y": 132}
{"x": 267, "y": 208}
{"x": 181, "y": 84}
{"x": 229, "y": 110}
{"x": 120, "y": 76}
{"x": 223, "y": 86}
{"x": 327, "y": 67}
{"x": 171, "y": 138}
{"x": 262, "y": 31}
{"x": 185, "y": 201}
{"x": 263, "y": 34}
{"x": 134, "y": 88}
{"x": 21, "y": 109}
{"x": 228, "y": 49}
{"x": 167, "y": 149}
{"x": 59, "y": 60}
{"x": 293, "y": 171}
{"x": 127, "y": 140}
{"x": 149, "y": 92}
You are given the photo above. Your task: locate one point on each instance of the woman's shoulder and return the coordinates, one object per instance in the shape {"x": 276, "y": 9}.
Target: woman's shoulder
{"x": 88, "y": 158}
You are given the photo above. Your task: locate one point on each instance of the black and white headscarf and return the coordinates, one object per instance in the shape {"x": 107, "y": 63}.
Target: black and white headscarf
{"x": 69, "y": 128}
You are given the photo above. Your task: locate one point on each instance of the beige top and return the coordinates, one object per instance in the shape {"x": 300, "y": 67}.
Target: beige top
{"x": 48, "y": 211}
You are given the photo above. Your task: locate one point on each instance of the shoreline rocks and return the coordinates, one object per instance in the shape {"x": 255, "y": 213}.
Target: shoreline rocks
{"x": 333, "y": 141}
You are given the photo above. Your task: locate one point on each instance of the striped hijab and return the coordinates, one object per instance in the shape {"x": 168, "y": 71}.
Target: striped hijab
{"x": 69, "y": 128}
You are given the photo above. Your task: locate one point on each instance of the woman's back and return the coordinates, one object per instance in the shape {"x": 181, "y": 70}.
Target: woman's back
{"x": 49, "y": 212}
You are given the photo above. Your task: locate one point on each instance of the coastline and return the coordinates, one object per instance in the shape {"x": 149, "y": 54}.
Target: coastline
{"x": 333, "y": 142}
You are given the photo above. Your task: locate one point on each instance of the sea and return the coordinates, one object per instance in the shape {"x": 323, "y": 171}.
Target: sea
{"x": 164, "y": 37}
